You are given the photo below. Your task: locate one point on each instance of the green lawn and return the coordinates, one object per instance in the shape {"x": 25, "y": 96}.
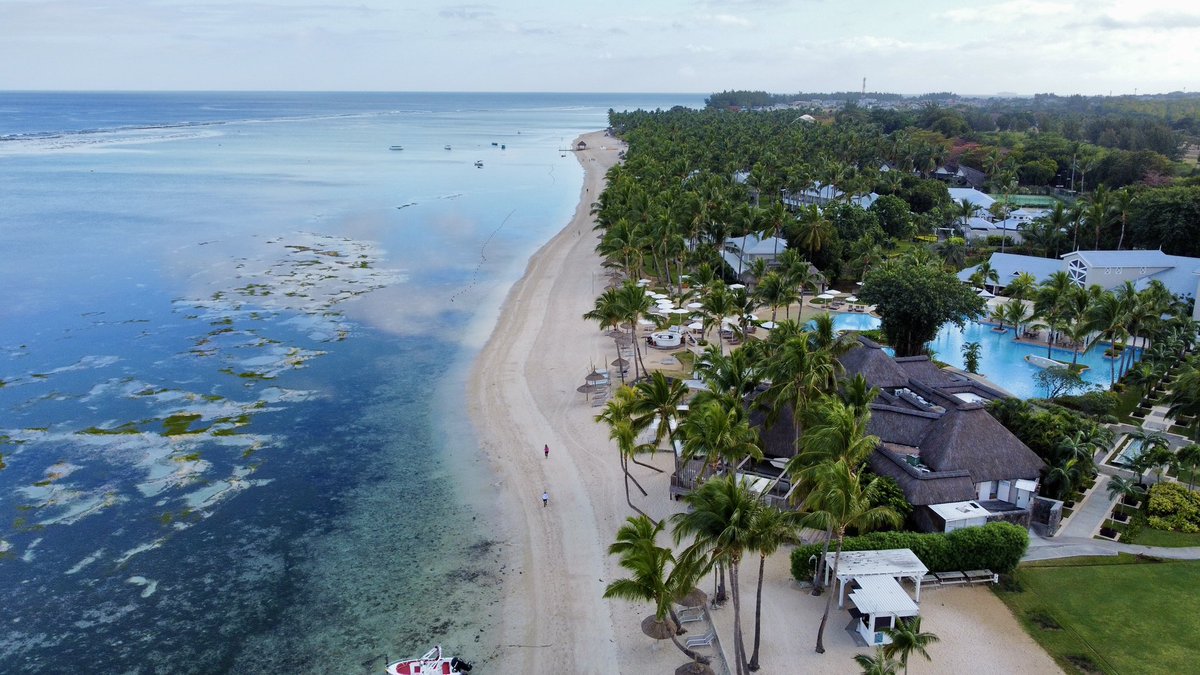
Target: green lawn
{"x": 1152, "y": 537}
{"x": 1113, "y": 615}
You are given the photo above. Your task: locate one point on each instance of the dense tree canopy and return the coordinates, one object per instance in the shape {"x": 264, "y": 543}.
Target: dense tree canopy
{"x": 915, "y": 299}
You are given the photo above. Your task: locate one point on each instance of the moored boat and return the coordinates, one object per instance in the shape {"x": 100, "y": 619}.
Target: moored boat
{"x": 432, "y": 662}
{"x": 396, "y": 147}
{"x": 447, "y": 146}
{"x": 479, "y": 164}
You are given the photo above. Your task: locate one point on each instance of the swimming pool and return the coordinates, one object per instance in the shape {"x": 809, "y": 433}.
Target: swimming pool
{"x": 1130, "y": 453}
{"x": 1002, "y": 360}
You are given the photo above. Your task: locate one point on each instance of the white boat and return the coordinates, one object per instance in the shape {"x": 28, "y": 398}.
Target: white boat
{"x": 396, "y": 147}
{"x": 1043, "y": 362}
{"x": 479, "y": 164}
{"x": 447, "y": 147}
{"x": 432, "y": 662}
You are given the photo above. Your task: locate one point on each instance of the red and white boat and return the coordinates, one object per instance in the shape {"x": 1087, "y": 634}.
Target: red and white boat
{"x": 433, "y": 662}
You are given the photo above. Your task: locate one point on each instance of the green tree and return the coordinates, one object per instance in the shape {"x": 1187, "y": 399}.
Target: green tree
{"x": 770, "y": 529}
{"x": 838, "y": 502}
{"x": 915, "y": 300}
{"x": 721, "y": 522}
{"x": 908, "y": 639}
{"x": 656, "y": 576}
{"x": 877, "y": 664}
{"x": 971, "y": 352}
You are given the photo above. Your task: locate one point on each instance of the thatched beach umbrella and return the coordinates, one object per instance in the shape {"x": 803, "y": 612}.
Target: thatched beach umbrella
{"x": 589, "y": 388}
{"x": 620, "y": 363}
{"x": 693, "y": 668}
{"x": 694, "y": 598}
{"x": 595, "y": 376}
{"x": 659, "y": 630}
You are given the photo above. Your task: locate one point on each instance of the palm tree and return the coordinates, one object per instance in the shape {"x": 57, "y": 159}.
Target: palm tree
{"x": 953, "y": 251}
{"x": 623, "y": 429}
{"x": 773, "y": 290}
{"x": 1107, "y": 317}
{"x": 656, "y": 577}
{"x": 1120, "y": 486}
{"x": 907, "y": 639}
{"x": 877, "y": 664}
{"x": 800, "y": 373}
{"x": 714, "y": 433}
{"x": 838, "y": 502}
{"x": 1016, "y": 313}
{"x": 1051, "y": 297}
{"x": 1122, "y": 205}
{"x": 770, "y": 529}
{"x": 965, "y": 210}
{"x": 1021, "y": 287}
{"x": 1188, "y": 458}
{"x": 1098, "y": 213}
{"x": 721, "y": 521}
{"x": 658, "y": 398}
{"x": 985, "y": 275}
{"x": 815, "y": 230}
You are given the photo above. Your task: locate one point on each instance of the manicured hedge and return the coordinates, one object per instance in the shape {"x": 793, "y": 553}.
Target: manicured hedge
{"x": 995, "y": 546}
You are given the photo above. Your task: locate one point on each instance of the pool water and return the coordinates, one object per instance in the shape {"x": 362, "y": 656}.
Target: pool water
{"x": 1002, "y": 360}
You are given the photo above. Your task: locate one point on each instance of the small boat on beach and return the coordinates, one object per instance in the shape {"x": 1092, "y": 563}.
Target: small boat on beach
{"x": 1043, "y": 362}
{"x": 432, "y": 662}
{"x": 396, "y": 147}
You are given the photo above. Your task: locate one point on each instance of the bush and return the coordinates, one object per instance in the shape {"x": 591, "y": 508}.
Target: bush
{"x": 1096, "y": 403}
{"x": 1173, "y": 507}
{"x": 995, "y": 240}
{"x": 995, "y": 546}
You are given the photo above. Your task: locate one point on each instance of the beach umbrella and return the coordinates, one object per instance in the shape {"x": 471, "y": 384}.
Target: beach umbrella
{"x": 737, "y": 286}
{"x": 595, "y": 376}
{"x": 694, "y": 668}
{"x": 650, "y": 293}
{"x": 984, "y": 293}
{"x": 589, "y": 388}
{"x": 834, "y": 292}
{"x": 643, "y": 281}
{"x": 624, "y": 341}
{"x": 695, "y": 305}
{"x": 859, "y": 283}
{"x": 851, "y": 298}
{"x": 768, "y": 324}
{"x": 614, "y": 333}
{"x": 825, "y": 296}
{"x": 679, "y": 310}
{"x": 659, "y": 630}
{"x": 694, "y": 598}
{"x": 659, "y": 296}
{"x": 620, "y": 363}
{"x": 696, "y": 325}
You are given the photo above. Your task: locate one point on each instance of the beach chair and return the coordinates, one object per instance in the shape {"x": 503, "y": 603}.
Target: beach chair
{"x": 690, "y": 614}
{"x": 705, "y": 640}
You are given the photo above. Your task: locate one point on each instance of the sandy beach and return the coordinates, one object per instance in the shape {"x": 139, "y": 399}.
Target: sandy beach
{"x": 552, "y": 617}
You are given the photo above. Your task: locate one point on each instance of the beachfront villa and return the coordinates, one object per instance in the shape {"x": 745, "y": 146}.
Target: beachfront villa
{"x": 740, "y": 252}
{"x": 956, "y": 464}
{"x": 1106, "y": 269}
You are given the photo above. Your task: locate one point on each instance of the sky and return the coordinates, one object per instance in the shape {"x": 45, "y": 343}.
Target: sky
{"x": 665, "y": 46}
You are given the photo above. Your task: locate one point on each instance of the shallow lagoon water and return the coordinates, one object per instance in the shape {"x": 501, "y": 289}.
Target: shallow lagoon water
{"x": 234, "y": 340}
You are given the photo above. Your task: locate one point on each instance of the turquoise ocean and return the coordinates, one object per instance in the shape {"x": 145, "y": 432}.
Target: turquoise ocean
{"x": 234, "y": 336}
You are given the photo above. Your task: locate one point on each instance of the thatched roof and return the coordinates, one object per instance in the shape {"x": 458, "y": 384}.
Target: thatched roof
{"x": 922, "y": 488}
{"x": 970, "y": 438}
{"x": 923, "y": 370}
{"x": 874, "y": 364}
{"x": 895, "y": 424}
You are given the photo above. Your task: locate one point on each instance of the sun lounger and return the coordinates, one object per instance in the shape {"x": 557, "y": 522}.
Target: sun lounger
{"x": 952, "y": 578}
{"x": 705, "y": 640}
{"x": 981, "y": 577}
{"x": 690, "y": 614}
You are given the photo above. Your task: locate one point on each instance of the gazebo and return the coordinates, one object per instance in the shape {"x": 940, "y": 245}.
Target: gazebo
{"x": 879, "y": 600}
{"x": 895, "y": 563}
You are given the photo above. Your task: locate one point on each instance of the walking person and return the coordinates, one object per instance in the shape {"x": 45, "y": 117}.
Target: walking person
{"x": 545, "y": 499}
{"x": 547, "y": 451}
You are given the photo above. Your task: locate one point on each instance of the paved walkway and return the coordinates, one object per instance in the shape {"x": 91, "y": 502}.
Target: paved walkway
{"x": 1089, "y": 513}
{"x": 1041, "y": 548}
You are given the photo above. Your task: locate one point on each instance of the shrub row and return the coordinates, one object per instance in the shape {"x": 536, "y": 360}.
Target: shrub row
{"x": 995, "y": 546}
{"x": 1173, "y": 507}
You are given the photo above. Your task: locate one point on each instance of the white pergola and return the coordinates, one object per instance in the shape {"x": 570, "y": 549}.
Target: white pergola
{"x": 880, "y": 597}
{"x": 895, "y": 563}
